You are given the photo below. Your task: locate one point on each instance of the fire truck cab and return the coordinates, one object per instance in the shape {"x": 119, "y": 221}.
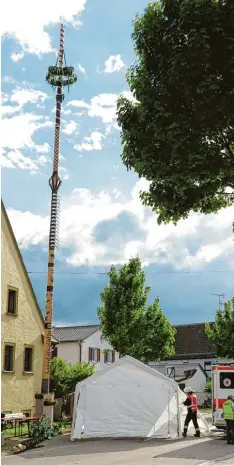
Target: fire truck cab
{"x": 222, "y": 374}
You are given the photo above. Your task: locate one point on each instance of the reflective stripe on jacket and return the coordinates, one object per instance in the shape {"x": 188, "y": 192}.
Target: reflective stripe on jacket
{"x": 193, "y": 403}
{"x": 228, "y": 412}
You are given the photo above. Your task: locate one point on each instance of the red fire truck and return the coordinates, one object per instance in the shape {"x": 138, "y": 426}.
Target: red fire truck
{"x": 222, "y": 386}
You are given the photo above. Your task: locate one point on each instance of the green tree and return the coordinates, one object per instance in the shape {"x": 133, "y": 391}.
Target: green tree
{"x": 64, "y": 376}
{"x": 221, "y": 333}
{"x": 127, "y": 323}
{"x": 208, "y": 386}
{"x": 179, "y": 131}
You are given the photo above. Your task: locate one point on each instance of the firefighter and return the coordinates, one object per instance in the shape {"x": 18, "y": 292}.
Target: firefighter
{"x": 228, "y": 414}
{"x": 191, "y": 403}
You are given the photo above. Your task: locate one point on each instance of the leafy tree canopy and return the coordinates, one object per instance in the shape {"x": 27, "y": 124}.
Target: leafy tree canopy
{"x": 64, "y": 376}
{"x": 179, "y": 131}
{"x": 130, "y": 326}
{"x": 221, "y": 333}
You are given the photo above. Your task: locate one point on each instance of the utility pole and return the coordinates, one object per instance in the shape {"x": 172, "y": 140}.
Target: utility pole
{"x": 220, "y": 295}
{"x": 58, "y": 76}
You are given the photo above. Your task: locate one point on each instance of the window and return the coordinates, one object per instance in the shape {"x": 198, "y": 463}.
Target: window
{"x": 208, "y": 368}
{"x": 12, "y": 301}
{"x": 109, "y": 356}
{"x": 55, "y": 352}
{"x": 94, "y": 355}
{"x": 9, "y": 357}
{"x": 227, "y": 380}
{"x": 28, "y": 359}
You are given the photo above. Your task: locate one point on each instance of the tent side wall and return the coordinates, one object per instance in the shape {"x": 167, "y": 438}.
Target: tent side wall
{"x": 127, "y": 402}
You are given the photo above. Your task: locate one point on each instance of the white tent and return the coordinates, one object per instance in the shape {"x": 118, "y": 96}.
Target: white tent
{"x": 128, "y": 399}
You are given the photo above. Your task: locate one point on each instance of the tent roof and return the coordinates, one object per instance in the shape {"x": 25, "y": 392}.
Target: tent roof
{"x": 134, "y": 362}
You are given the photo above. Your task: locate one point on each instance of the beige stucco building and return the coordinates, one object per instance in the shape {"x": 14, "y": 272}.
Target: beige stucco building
{"x": 22, "y": 329}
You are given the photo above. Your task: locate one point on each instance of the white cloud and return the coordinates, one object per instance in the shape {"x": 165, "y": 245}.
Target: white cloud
{"x": 92, "y": 142}
{"x": 23, "y": 96}
{"x": 102, "y": 106}
{"x": 70, "y": 127}
{"x": 42, "y": 160}
{"x": 114, "y": 63}
{"x": 19, "y": 160}
{"x": 9, "y": 109}
{"x": 36, "y": 234}
{"x": 5, "y": 162}
{"x": 81, "y": 68}
{"x": 64, "y": 173}
{"x": 78, "y": 103}
{"x": 4, "y": 97}
{"x": 8, "y": 80}
{"x": 83, "y": 211}
{"x": 15, "y": 159}
{"x": 67, "y": 112}
{"x": 26, "y": 21}
{"x": 17, "y": 131}
{"x": 43, "y": 148}
{"x": 17, "y": 56}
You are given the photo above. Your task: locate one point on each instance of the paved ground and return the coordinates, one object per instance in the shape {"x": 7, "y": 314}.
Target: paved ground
{"x": 190, "y": 451}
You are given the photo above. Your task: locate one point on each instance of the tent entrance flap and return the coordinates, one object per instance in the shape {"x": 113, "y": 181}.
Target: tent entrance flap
{"x": 166, "y": 425}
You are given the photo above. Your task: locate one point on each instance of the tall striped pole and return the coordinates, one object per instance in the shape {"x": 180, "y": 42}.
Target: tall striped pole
{"x": 55, "y": 183}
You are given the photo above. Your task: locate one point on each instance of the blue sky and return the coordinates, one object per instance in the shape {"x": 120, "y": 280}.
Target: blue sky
{"x": 102, "y": 221}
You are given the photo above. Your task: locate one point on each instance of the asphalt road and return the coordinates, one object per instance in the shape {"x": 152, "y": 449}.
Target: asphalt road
{"x": 190, "y": 451}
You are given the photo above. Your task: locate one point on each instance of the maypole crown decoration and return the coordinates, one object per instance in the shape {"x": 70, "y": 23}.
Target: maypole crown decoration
{"x": 58, "y": 76}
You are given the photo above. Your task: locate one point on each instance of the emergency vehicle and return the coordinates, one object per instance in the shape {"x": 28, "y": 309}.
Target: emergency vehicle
{"x": 222, "y": 374}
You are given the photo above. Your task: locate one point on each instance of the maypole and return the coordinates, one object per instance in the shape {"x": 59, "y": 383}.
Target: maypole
{"x": 58, "y": 77}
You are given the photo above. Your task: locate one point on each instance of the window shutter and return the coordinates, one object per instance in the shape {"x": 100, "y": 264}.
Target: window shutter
{"x": 105, "y": 357}
{"x": 90, "y": 354}
{"x": 113, "y": 356}
{"x": 98, "y": 355}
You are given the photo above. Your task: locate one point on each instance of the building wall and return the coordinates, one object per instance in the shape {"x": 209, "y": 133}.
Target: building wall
{"x": 197, "y": 382}
{"x": 70, "y": 352}
{"x": 95, "y": 341}
{"x": 202, "y": 362}
{"x": 26, "y": 328}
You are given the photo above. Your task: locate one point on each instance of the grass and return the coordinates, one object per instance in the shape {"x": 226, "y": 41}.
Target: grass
{"x": 10, "y": 432}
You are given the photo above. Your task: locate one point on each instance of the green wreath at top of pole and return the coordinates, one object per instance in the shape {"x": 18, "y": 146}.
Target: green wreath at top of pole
{"x": 57, "y": 76}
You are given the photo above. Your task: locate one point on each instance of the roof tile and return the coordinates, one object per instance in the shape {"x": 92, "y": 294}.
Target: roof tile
{"x": 192, "y": 340}
{"x": 74, "y": 333}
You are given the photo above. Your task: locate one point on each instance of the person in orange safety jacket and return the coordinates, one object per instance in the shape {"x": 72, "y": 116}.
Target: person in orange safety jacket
{"x": 191, "y": 403}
